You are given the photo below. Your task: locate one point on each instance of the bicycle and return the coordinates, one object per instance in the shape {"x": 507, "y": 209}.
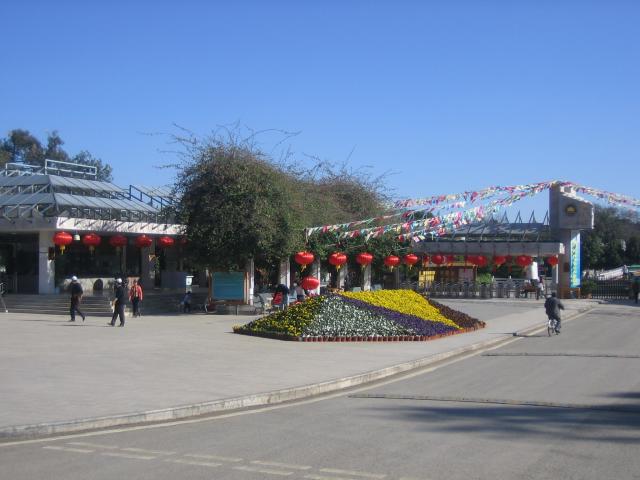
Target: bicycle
{"x": 552, "y": 324}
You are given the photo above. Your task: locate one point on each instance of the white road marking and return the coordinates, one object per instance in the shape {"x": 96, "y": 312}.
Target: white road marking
{"x": 193, "y": 462}
{"x": 94, "y": 445}
{"x": 341, "y": 393}
{"x": 142, "y": 450}
{"x": 281, "y": 465}
{"x": 212, "y": 457}
{"x": 127, "y": 455}
{"x": 264, "y": 470}
{"x": 68, "y": 449}
{"x": 320, "y": 477}
{"x": 353, "y": 473}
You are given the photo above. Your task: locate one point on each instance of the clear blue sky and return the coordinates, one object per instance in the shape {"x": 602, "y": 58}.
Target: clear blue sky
{"x": 449, "y": 95}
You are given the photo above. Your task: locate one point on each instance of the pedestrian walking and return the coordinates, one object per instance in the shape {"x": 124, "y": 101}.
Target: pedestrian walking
{"x": 76, "y": 298}
{"x": 553, "y": 306}
{"x": 135, "y": 297}
{"x": 118, "y": 304}
{"x": 540, "y": 288}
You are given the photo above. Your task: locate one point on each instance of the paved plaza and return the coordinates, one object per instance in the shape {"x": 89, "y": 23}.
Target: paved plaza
{"x": 53, "y": 371}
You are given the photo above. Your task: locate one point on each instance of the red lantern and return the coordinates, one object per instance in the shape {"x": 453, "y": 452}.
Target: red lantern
{"x": 410, "y": 260}
{"x": 337, "y": 259}
{"x": 472, "y": 259}
{"x": 118, "y": 241}
{"x": 481, "y": 261}
{"x": 304, "y": 259}
{"x": 499, "y": 260}
{"x": 437, "y": 259}
{"x": 523, "y": 260}
{"x": 91, "y": 240}
{"x": 364, "y": 259}
{"x": 391, "y": 261}
{"x": 62, "y": 239}
{"x": 166, "y": 242}
{"x": 450, "y": 259}
{"x": 143, "y": 241}
{"x": 310, "y": 283}
{"x": 553, "y": 261}
{"x": 425, "y": 261}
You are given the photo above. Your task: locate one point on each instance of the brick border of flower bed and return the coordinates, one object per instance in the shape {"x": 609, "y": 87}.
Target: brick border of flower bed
{"x": 359, "y": 338}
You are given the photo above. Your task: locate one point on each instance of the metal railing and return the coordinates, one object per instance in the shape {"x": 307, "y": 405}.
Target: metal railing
{"x": 610, "y": 289}
{"x": 507, "y": 288}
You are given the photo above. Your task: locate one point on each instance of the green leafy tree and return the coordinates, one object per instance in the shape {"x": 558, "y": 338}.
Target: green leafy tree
{"x": 602, "y": 246}
{"x": 235, "y": 206}
{"x": 632, "y": 253}
{"x": 20, "y": 146}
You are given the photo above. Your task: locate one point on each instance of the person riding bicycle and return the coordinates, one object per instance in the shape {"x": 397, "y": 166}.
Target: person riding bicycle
{"x": 553, "y": 306}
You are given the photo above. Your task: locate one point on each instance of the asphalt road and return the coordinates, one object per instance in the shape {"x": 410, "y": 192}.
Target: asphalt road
{"x": 565, "y": 407}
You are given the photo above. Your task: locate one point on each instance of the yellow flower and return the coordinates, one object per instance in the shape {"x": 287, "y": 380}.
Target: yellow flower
{"x": 403, "y": 301}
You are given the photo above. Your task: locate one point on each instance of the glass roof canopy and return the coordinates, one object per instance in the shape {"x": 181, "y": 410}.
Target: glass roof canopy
{"x": 36, "y": 195}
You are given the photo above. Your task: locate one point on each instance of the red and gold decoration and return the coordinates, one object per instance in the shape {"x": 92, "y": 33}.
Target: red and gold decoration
{"x": 391, "y": 261}
{"x": 410, "y": 259}
{"x": 363, "y": 259}
{"x": 118, "y": 241}
{"x": 166, "y": 242}
{"x": 62, "y": 239}
{"x": 437, "y": 259}
{"x": 337, "y": 259}
{"x": 303, "y": 259}
{"x": 523, "y": 260}
{"x": 499, "y": 260}
{"x": 143, "y": 241}
{"x": 310, "y": 283}
{"x": 91, "y": 240}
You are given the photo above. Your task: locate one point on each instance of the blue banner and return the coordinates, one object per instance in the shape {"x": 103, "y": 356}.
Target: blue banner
{"x": 575, "y": 270}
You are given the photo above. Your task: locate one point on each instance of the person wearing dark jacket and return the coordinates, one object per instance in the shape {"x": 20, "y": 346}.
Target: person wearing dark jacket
{"x": 635, "y": 288}
{"x": 553, "y": 306}
{"x": 76, "y": 297}
{"x": 118, "y": 305}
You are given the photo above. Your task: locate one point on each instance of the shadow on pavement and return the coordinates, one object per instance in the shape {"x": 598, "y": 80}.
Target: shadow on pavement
{"x": 514, "y": 422}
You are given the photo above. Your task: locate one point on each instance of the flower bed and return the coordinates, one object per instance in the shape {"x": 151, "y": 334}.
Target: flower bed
{"x": 384, "y": 316}
{"x": 403, "y": 301}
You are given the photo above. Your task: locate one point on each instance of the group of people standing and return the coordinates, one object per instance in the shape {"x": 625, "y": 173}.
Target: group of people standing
{"x": 119, "y": 300}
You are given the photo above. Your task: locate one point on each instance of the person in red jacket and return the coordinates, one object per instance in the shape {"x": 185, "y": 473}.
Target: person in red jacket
{"x": 135, "y": 296}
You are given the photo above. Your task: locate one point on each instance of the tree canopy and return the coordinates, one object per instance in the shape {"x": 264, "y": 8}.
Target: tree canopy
{"x": 238, "y": 203}
{"x": 20, "y": 146}
{"x": 614, "y": 241}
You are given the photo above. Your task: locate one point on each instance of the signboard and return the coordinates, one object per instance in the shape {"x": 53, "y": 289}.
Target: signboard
{"x": 228, "y": 285}
{"x": 574, "y": 260}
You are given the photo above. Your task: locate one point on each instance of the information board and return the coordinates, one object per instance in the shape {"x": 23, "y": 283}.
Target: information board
{"x": 228, "y": 285}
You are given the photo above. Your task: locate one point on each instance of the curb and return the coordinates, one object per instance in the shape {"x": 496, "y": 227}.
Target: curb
{"x": 22, "y": 432}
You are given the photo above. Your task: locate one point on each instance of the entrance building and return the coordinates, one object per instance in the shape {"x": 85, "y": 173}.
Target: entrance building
{"x": 36, "y": 203}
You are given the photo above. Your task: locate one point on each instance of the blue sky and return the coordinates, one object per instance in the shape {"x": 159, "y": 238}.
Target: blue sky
{"x": 450, "y": 96}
